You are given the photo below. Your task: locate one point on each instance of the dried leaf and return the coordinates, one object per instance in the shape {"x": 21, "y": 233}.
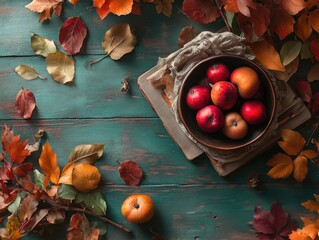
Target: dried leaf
{"x": 46, "y": 8}
{"x": 13, "y": 207}
{"x": 6, "y": 137}
{"x": 309, "y": 154}
{"x": 3, "y": 204}
{"x": 304, "y": 91}
{"x": 17, "y": 151}
{"x": 90, "y": 152}
{"x": 25, "y": 103}
{"x": 204, "y": 11}
{"x": 29, "y": 225}
{"x": 118, "y": 40}
{"x": 39, "y": 179}
{"x": 72, "y": 34}
{"x": 66, "y": 175}
{"x": 22, "y": 170}
{"x": 164, "y": 6}
{"x": 281, "y": 22}
{"x": 292, "y": 142}
{"x": 300, "y": 168}
{"x": 125, "y": 86}
{"x": 74, "y": 2}
{"x": 98, "y": 3}
{"x": 94, "y": 234}
{"x": 41, "y": 45}
{"x": 27, "y": 72}
{"x": 93, "y": 201}
{"x": 290, "y": 51}
{"x": 314, "y": 47}
{"x": 56, "y": 216}
{"x": 311, "y": 205}
{"x": 293, "y": 6}
{"x": 76, "y": 235}
{"x": 48, "y": 164}
{"x": 313, "y": 74}
{"x": 282, "y": 166}
{"x": 305, "y": 51}
{"x": 67, "y": 192}
{"x": 187, "y": 34}
{"x": 104, "y": 10}
{"x": 131, "y": 173}
{"x": 75, "y": 222}
{"x": 85, "y": 177}
{"x": 27, "y": 208}
{"x": 303, "y": 30}
{"x": 60, "y": 67}
{"x": 291, "y": 69}
{"x": 242, "y": 6}
{"x": 260, "y": 19}
{"x": 121, "y": 7}
{"x": 267, "y": 55}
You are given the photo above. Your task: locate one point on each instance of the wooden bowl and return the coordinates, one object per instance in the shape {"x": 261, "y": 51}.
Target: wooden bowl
{"x": 197, "y": 75}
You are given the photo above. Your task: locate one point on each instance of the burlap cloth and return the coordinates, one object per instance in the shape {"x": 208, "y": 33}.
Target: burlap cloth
{"x": 180, "y": 62}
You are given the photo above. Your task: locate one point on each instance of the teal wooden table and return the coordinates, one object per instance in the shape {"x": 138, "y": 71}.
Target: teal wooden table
{"x": 192, "y": 201}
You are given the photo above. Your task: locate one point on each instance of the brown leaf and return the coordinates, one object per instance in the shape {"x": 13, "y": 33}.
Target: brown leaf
{"x": 56, "y": 216}
{"x": 75, "y": 222}
{"x": 27, "y": 72}
{"x": 29, "y": 225}
{"x": 25, "y": 103}
{"x": 131, "y": 173}
{"x": 22, "y": 170}
{"x": 27, "y": 207}
{"x": 300, "y": 168}
{"x": 90, "y": 152}
{"x": 313, "y": 74}
{"x": 282, "y": 166}
{"x": 292, "y": 142}
{"x": 291, "y": 69}
{"x": 311, "y": 205}
{"x": 164, "y": 6}
{"x": 41, "y": 45}
{"x": 204, "y": 11}
{"x": 66, "y": 175}
{"x": 48, "y": 164}
{"x": 7, "y": 137}
{"x": 17, "y": 151}
{"x": 304, "y": 91}
{"x": 94, "y": 234}
{"x": 45, "y": 8}
{"x": 309, "y": 154}
{"x": 118, "y": 40}
{"x": 187, "y": 34}
{"x": 85, "y": 177}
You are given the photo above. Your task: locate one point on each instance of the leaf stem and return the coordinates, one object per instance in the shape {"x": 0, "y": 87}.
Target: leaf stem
{"x": 219, "y": 6}
{"x": 91, "y": 62}
{"x": 312, "y": 133}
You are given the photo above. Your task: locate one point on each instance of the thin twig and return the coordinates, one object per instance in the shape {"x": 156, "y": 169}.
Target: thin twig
{"x": 312, "y": 133}
{"x": 219, "y": 6}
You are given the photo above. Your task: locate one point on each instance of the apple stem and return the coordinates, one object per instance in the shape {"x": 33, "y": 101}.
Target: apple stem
{"x": 234, "y": 123}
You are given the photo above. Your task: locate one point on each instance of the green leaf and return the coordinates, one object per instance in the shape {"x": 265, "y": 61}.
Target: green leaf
{"x": 93, "y": 201}
{"x": 13, "y": 207}
{"x": 67, "y": 192}
{"x": 289, "y": 51}
{"x": 100, "y": 225}
{"x": 313, "y": 74}
{"x": 39, "y": 179}
{"x": 86, "y": 153}
{"x": 305, "y": 52}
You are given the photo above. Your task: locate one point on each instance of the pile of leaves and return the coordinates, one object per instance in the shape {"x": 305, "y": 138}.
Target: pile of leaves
{"x": 36, "y": 198}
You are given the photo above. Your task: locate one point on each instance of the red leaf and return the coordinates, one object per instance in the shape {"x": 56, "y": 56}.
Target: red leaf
{"x": 203, "y": 11}
{"x": 98, "y": 3}
{"x": 33, "y": 222}
{"x": 7, "y": 137}
{"x": 27, "y": 207}
{"x": 23, "y": 169}
{"x": 281, "y": 22}
{"x": 131, "y": 173}
{"x": 25, "y": 103}
{"x": 260, "y": 19}
{"x": 187, "y": 34}
{"x": 314, "y": 47}
{"x": 93, "y": 234}
{"x": 313, "y": 105}
{"x": 17, "y": 151}
{"x": 72, "y": 34}
{"x": 245, "y": 25}
{"x": 304, "y": 91}
{"x": 75, "y": 221}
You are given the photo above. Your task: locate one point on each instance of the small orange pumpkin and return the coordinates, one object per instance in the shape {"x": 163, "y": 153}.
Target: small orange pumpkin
{"x": 138, "y": 208}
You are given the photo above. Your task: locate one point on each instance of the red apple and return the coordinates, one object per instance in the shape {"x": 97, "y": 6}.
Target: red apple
{"x": 247, "y": 81}
{"x": 210, "y": 118}
{"x": 217, "y": 72}
{"x": 235, "y": 126}
{"x": 253, "y": 112}
{"x": 224, "y": 95}
{"x": 198, "y": 97}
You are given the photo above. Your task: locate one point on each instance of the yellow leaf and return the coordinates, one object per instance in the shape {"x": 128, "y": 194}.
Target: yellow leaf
{"x": 299, "y": 235}
{"x": 121, "y": 7}
{"x": 66, "y": 175}
{"x": 300, "y": 168}
{"x": 85, "y": 177}
{"x": 164, "y": 6}
{"x": 267, "y": 55}
{"x": 309, "y": 154}
{"x": 48, "y": 164}
{"x": 282, "y": 166}
{"x": 311, "y": 205}
{"x": 292, "y": 142}
{"x": 310, "y": 230}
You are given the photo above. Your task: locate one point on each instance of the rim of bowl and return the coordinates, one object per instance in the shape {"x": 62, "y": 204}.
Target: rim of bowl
{"x": 271, "y": 91}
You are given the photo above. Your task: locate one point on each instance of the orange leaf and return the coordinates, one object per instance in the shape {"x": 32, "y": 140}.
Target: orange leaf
{"x": 282, "y": 166}
{"x": 7, "y": 137}
{"x": 292, "y": 142}
{"x": 17, "y": 151}
{"x": 313, "y": 20}
{"x": 74, "y": 2}
{"x": 300, "y": 168}
{"x": 293, "y": 6}
{"x": 66, "y": 175}
{"x": 311, "y": 205}
{"x": 299, "y": 235}
{"x": 231, "y": 6}
{"x": 121, "y": 7}
{"x": 309, "y": 154}
{"x": 45, "y": 8}
{"x": 98, "y": 3}
{"x": 104, "y": 10}
{"x": 281, "y": 22}
{"x": 48, "y": 164}
{"x": 267, "y": 55}
{"x": 303, "y": 29}
{"x": 85, "y": 177}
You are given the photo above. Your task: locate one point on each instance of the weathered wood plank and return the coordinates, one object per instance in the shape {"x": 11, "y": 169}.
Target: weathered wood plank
{"x": 156, "y": 35}
{"x": 203, "y": 212}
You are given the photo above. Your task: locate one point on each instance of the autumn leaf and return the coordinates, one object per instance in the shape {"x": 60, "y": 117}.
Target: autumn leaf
{"x": 300, "y": 168}
{"x": 25, "y": 103}
{"x": 131, "y": 173}
{"x": 17, "y": 151}
{"x": 313, "y": 73}
{"x": 292, "y": 142}
{"x": 48, "y": 164}
{"x": 66, "y": 174}
{"x": 75, "y": 222}
{"x": 204, "y": 11}
{"x": 27, "y": 207}
{"x": 282, "y": 166}
{"x": 60, "y": 67}
{"x": 304, "y": 91}
{"x": 90, "y": 152}
{"x": 242, "y": 6}
{"x": 6, "y": 137}
{"x": 93, "y": 201}
{"x": 291, "y": 69}
{"x": 299, "y": 235}
{"x": 290, "y": 51}
{"x": 164, "y": 6}
{"x": 42, "y": 46}
{"x": 260, "y": 19}
{"x": 311, "y": 205}
{"x": 187, "y": 34}
{"x": 74, "y": 2}
{"x": 56, "y": 216}
{"x": 22, "y": 170}
{"x": 98, "y": 3}
{"x": 314, "y": 47}
{"x": 293, "y": 6}
{"x": 85, "y": 177}
{"x": 118, "y": 40}
{"x": 104, "y": 10}
{"x": 27, "y": 72}
{"x": 121, "y": 7}
{"x": 29, "y": 225}
{"x": 72, "y": 34}
{"x": 267, "y": 55}
{"x": 281, "y": 22}
{"x": 46, "y": 8}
